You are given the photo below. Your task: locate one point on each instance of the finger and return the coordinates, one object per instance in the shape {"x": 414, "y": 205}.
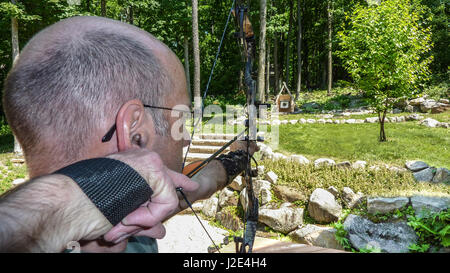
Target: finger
{"x": 180, "y": 180}
{"x": 157, "y": 232}
{"x": 155, "y": 211}
{"x": 121, "y": 232}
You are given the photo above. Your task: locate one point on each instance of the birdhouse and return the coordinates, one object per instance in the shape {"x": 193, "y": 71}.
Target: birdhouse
{"x": 285, "y": 102}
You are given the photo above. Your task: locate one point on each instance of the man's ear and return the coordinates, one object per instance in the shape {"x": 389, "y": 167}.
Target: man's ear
{"x": 134, "y": 128}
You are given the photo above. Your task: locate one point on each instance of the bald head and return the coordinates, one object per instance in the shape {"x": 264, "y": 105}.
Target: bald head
{"x": 72, "y": 77}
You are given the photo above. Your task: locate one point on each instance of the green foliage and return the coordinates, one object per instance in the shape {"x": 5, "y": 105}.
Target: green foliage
{"x": 341, "y": 235}
{"x": 431, "y": 228}
{"x": 9, "y": 10}
{"x": 306, "y": 178}
{"x": 438, "y": 91}
{"x": 385, "y": 50}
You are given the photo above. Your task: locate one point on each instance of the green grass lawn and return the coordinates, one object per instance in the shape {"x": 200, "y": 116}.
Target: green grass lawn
{"x": 406, "y": 141}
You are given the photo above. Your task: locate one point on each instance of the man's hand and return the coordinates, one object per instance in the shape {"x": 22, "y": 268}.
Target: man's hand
{"x": 147, "y": 219}
{"x": 242, "y": 145}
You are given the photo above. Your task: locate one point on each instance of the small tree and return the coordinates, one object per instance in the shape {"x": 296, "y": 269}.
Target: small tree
{"x": 384, "y": 51}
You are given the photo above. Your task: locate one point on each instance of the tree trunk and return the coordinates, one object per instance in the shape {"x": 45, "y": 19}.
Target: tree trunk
{"x": 330, "y": 57}
{"x": 299, "y": 51}
{"x": 288, "y": 41}
{"x": 15, "y": 55}
{"x": 88, "y": 5}
{"x": 103, "y": 7}
{"x": 262, "y": 50}
{"x": 186, "y": 65}
{"x": 196, "y": 49}
{"x": 268, "y": 70}
{"x": 305, "y": 61}
{"x": 275, "y": 63}
{"x": 381, "y": 119}
{"x": 130, "y": 15}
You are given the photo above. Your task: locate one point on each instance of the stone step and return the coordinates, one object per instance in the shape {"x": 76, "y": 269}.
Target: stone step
{"x": 217, "y": 136}
{"x": 197, "y": 156}
{"x": 209, "y": 142}
{"x": 204, "y": 149}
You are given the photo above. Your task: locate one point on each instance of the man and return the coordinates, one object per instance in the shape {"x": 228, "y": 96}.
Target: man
{"x": 94, "y": 88}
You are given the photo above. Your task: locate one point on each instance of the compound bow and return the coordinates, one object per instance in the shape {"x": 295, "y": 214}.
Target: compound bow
{"x": 247, "y": 46}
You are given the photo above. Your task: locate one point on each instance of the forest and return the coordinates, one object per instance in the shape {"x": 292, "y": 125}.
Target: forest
{"x": 301, "y": 38}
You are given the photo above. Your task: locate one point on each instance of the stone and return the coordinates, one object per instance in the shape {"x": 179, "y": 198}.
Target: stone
{"x": 272, "y": 177}
{"x": 18, "y": 181}
{"x": 293, "y": 121}
{"x": 385, "y": 237}
{"x": 416, "y": 102}
{"x": 416, "y": 165}
{"x": 336, "y": 121}
{"x": 371, "y": 120}
{"x": 446, "y": 101}
{"x": 429, "y": 122}
{"x": 18, "y": 160}
{"x": 276, "y": 122}
{"x": 324, "y": 162}
{"x": 278, "y": 156}
{"x": 414, "y": 117}
{"x": 210, "y": 206}
{"x": 401, "y": 119}
{"x": 444, "y": 124}
{"x": 385, "y": 205}
{"x": 302, "y": 121}
{"x": 438, "y": 110}
{"x": 310, "y": 121}
{"x": 359, "y": 121}
{"x": 396, "y": 111}
{"x": 427, "y": 105}
{"x": 321, "y": 121}
{"x": 360, "y": 164}
{"x": 422, "y": 204}
{"x": 284, "y": 219}
{"x": 260, "y": 169}
{"x": 333, "y": 191}
{"x": 396, "y": 169}
{"x": 197, "y": 206}
{"x": 237, "y": 184}
{"x": 442, "y": 175}
{"x": 300, "y": 159}
{"x": 409, "y": 108}
{"x": 329, "y": 121}
{"x": 425, "y": 175}
{"x": 227, "y": 198}
{"x": 316, "y": 236}
{"x": 261, "y": 184}
{"x": 284, "y": 122}
{"x": 345, "y": 164}
{"x": 350, "y": 121}
{"x": 288, "y": 194}
{"x": 229, "y": 220}
{"x": 350, "y": 198}
{"x": 265, "y": 196}
{"x": 323, "y": 207}
{"x": 262, "y": 191}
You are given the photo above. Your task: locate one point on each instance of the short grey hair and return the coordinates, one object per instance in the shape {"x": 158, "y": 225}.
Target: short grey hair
{"x": 77, "y": 86}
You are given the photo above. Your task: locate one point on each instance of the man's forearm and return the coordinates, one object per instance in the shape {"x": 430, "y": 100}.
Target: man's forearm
{"x": 45, "y": 214}
{"x": 211, "y": 178}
